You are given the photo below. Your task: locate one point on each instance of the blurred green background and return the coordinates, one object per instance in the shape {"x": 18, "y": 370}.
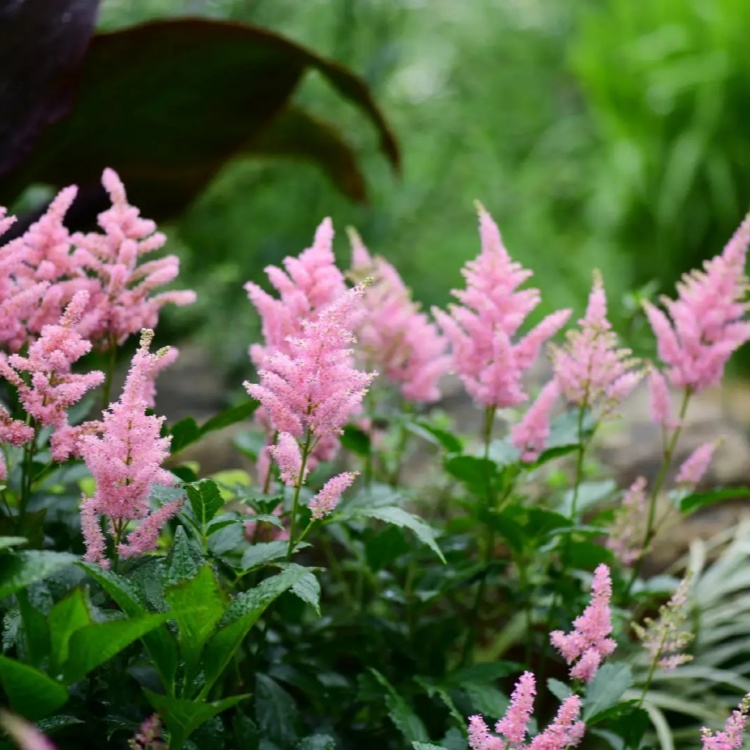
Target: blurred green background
{"x": 599, "y": 133}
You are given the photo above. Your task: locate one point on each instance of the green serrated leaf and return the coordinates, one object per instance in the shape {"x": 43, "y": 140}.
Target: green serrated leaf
{"x": 21, "y": 569}
{"x": 436, "y": 436}
{"x": 197, "y": 605}
{"x": 182, "y": 717}
{"x": 65, "y": 618}
{"x": 426, "y": 746}
{"x": 30, "y": 692}
{"x": 246, "y": 734}
{"x": 159, "y": 643}
{"x": 308, "y": 589}
{"x": 35, "y": 630}
{"x": 229, "y": 416}
{"x": 205, "y": 500}
{"x": 12, "y": 541}
{"x": 478, "y": 474}
{"x": 263, "y": 552}
{"x": 399, "y": 712}
{"x": 317, "y": 742}
{"x": 184, "y": 433}
{"x": 94, "y": 644}
{"x": 606, "y": 689}
{"x": 241, "y": 615}
{"x": 482, "y": 673}
{"x": 355, "y": 440}
{"x": 275, "y": 712}
{"x": 182, "y": 560}
{"x": 399, "y": 517}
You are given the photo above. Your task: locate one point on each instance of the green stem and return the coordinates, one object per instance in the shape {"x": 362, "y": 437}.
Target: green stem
{"x": 297, "y": 487}
{"x": 29, "y": 450}
{"x": 269, "y": 473}
{"x": 656, "y": 489}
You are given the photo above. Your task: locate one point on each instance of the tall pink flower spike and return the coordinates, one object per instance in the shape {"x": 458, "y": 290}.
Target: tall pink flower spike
{"x": 706, "y": 323}
{"x": 482, "y": 330}
{"x": 125, "y": 460}
{"x": 123, "y": 301}
{"x": 394, "y": 335}
{"x": 589, "y": 642}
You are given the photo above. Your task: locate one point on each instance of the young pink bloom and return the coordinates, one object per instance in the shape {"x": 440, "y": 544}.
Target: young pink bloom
{"x": 589, "y": 642}
{"x": 531, "y": 433}
{"x": 659, "y": 401}
{"x": 122, "y": 302}
{"x": 706, "y": 322}
{"x": 695, "y": 465}
{"x": 125, "y": 460}
{"x": 327, "y": 499}
{"x": 24, "y": 734}
{"x": 513, "y": 726}
{"x": 314, "y": 389}
{"x": 287, "y": 455}
{"x": 394, "y": 335}
{"x": 483, "y": 327}
{"x": 148, "y": 736}
{"x": 590, "y": 370}
{"x": 52, "y": 388}
{"x": 480, "y": 737}
{"x": 310, "y": 283}
{"x": 626, "y": 536}
{"x": 731, "y": 738}
{"x": 565, "y": 731}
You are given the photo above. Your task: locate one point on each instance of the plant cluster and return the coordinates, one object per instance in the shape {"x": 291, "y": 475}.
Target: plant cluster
{"x": 287, "y": 607}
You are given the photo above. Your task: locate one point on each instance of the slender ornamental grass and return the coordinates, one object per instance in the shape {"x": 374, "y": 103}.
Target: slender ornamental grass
{"x": 488, "y": 355}
{"x": 588, "y": 644}
{"x": 125, "y": 460}
{"x": 706, "y": 323}
{"x": 394, "y": 335}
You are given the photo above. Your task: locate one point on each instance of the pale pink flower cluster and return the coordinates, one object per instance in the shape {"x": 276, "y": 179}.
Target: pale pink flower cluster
{"x": 23, "y": 733}
{"x": 483, "y": 329}
{"x": 667, "y": 637}
{"x": 327, "y": 499}
{"x": 660, "y": 402}
{"x": 731, "y": 737}
{"x": 530, "y": 435}
{"x": 314, "y": 387}
{"x": 394, "y": 335}
{"x": 589, "y": 642}
{"x": 125, "y": 460}
{"x": 310, "y": 283}
{"x": 706, "y": 322}
{"x": 148, "y": 736}
{"x": 12, "y": 431}
{"x": 590, "y": 370}
{"x": 565, "y": 730}
{"x": 696, "y": 464}
{"x": 626, "y": 536}
{"x": 46, "y": 385}
{"x": 41, "y": 271}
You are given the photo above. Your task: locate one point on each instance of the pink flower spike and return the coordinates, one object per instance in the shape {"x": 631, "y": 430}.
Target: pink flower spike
{"x": 287, "y": 455}
{"x": 590, "y": 370}
{"x": 565, "y": 731}
{"x": 482, "y": 328}
{"x": 626, "y": 536}
{"x": 394, "y": 335}
{"x": 731, "y": 738}
{"x": 589, "y": 642}
{"x": 706, "y": 323}
{"x": 531, "y": 433}
{"x": 480, "y": 737}
{"x": 695, "y": 465}
{"x": 659, "y": 401}
{"x": 326, "y": 500}
{"x": 514, "y": 725}
{"x": 146, "y": 537}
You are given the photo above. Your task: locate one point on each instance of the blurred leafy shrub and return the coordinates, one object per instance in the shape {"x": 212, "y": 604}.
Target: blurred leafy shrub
{"x": 668, "y": 87}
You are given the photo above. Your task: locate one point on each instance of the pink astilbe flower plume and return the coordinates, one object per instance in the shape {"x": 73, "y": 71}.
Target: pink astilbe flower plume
{"x": 589, "y": 642}
{"x": 287, "y": 455}
{"x": 311, "y": 282}
{"x": 149, "y": 735}
{"x": 564, "y": 731}
{"x": 696, "y": 464}
{"x": 311, "y": 391}
{"x": 394, "y": 335}
{"x": 731, "y": 737}
{"x": 125, "y": 460}
{"x": 590, "y": 370}
{"x": 123, "y": 301}
{"x": 327, "y": 499}
{"x": 706, "y": 323}
{"x": 23, "y": 733}
{"x": 531, "y": 433}
{"x": 660, "y": 402}
{"x": 626, "y": 536}
{"x": 482, "y": 330}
